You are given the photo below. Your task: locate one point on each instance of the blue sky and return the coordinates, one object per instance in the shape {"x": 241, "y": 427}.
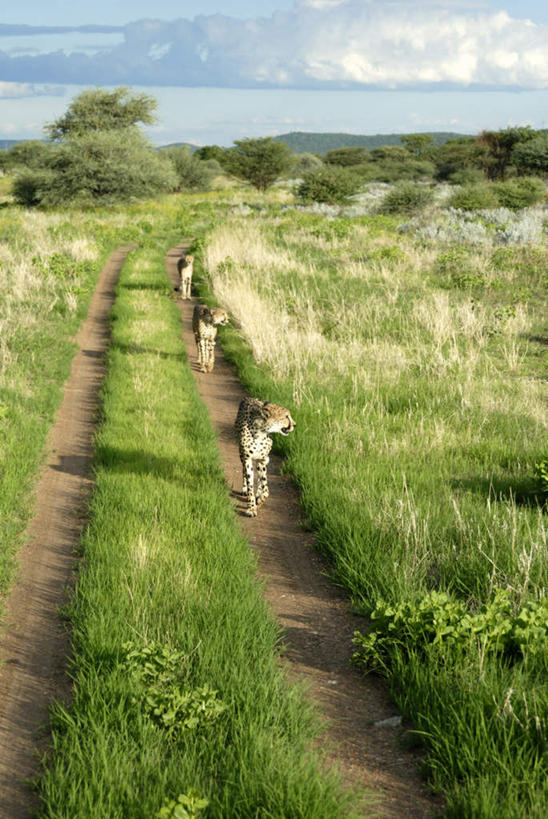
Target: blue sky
{"x": 223, "y": 71}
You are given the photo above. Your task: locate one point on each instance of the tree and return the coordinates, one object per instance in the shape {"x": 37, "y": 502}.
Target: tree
{"x": 532, "y": 156}
{"x": 460, "y": 155}
{"x": 258, "y": 161}
{"x": 500, "y": 146}
{"x": 420, "y": 145}
{"x": 210, "y": 152}
{"x": 103, "y": 167}
{"x": 98, "y": 110}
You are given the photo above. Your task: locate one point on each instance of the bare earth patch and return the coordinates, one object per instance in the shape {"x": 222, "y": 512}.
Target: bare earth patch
{"x": 314, "y": 614}
{"x": 34, "y": 643}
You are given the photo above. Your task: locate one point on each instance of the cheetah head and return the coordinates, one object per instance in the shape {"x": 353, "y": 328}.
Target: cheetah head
{"x": 189, "y": 258}
{"x": 276, "y": 419}
{"x": 219, "y": 316}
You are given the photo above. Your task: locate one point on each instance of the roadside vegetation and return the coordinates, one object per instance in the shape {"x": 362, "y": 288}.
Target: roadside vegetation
{"x": 413, "y": 366}
{"x": 180, "y": 707}
{"x": 49, "y": 264}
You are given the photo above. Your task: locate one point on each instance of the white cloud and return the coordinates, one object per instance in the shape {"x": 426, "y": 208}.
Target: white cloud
{"x": 381, "y": 44}
{"x": 17, "y": 90}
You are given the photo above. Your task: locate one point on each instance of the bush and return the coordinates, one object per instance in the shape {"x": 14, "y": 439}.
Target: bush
{"x": 192, "y": 174}
{"x": 303, "y": 163}
{"x": 29, "y": 187}
{"x": 331, "y": 184}
{"x": 467, "y": 176}
{"x": 474, "y": 197}
{"x": 406, "y": 198}
{"x": 106, "y": 167}
{"x": 519, "y": 193}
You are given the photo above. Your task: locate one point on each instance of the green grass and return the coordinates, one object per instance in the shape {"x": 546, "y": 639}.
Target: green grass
{"x": 165, "y": 568}
{"x": 412, "y": 370}
{"x": 49, "y": 264}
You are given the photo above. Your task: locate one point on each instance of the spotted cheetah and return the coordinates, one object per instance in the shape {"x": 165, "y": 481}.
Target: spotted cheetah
{"x": 184, "y": 269}
{"x": 255, "y": 423}
{"x": 204, "y": 324}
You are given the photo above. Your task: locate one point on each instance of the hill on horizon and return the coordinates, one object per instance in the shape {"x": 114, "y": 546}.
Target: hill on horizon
{"x": 320, "y": 143}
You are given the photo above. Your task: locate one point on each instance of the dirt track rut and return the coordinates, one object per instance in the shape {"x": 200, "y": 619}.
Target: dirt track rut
{"x": 33, "y": 641}
{"x": 314, "y": 614}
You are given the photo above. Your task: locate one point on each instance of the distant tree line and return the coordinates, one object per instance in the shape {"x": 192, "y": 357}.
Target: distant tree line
{"x": 96, "y": 152}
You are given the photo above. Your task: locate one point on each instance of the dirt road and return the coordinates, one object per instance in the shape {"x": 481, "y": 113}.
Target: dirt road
{"x": 33, "y": 641}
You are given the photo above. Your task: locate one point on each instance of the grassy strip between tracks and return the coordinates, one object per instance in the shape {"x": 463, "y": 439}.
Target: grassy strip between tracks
{"x": 177, "y": 690}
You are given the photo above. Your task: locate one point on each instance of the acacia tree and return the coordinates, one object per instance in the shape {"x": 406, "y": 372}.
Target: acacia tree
{"x": 98, "y": 110}
{"x": 500, "y": 145}
{"x": 258, "y": 161}
{"x": 98, "y": 154}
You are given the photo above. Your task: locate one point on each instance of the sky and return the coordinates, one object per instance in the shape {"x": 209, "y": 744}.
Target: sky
{"x": 223, "y": 71}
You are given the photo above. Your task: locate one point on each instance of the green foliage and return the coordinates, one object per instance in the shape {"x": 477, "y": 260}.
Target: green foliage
{"x": 458, "y": 156}
{"x": 500, "y": 147}
{"x": 474, "y": 197}
{"x": 30, "y": 153}
{"x": 442, "y": 621}
{"x": 107, "y": 167}
{"x": 192, "y": 174}
{"x": 531, "y": 156}
{"x": 521, "y": 192}
{"x": 541, "y": 473}
{"x": 31, "y": 186}
{"x": 257, "y": 161}
{"x": 303, "y": 163}
{"x": 420, "y": 145}
{"x": 210, "y": 152}
{"x": 98, "y": 110}
{"x": 407, "y": 198}
{"x": 331, "y": 184}
{"x": 346, "y": 157}
{"x": 467, "y": 176}
{"x": 186, "y": 806}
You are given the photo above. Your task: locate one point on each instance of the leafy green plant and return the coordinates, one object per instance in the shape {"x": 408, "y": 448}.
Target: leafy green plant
{"x": 407, "y": 198}
{"x": 440, "y": 620}
{"x": 474, "y": 197}
{"x": 331, "y": 184}
{"x": 541, "y": 473}
{"x": 186, "y": 806}
{"x": 164, "y": 698}
{"x": 519, "y": 193}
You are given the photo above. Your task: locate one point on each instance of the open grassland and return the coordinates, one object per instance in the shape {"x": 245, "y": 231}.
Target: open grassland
{"x": 413, "y": 368}
{"x": 49, "y": 263}
{"x": 177, "y": 689}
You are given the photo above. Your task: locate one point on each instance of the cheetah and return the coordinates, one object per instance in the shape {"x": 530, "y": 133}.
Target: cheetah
{"x": 184, "y": 269}
{"x": 255, "y": 423}
{"x": 204, "y": 324}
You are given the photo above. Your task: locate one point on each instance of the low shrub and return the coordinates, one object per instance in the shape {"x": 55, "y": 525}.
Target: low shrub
{"x": 331, "y": 184}
{"x": 30, "y": 186}
{"x": 474, "y": 197}
{"x": 519, "y": 193}
{"x": 406, "y": 198}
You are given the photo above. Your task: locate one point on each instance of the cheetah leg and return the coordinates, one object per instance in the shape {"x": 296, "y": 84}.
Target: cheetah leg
{"x": 198, "y": 351}
{"x": 247, "y": 490}
{"x": 210, "y": 355}
{"x": 186, "y": 288}
{"x": 262, "y": 488}
{"x": 203, "y": 355}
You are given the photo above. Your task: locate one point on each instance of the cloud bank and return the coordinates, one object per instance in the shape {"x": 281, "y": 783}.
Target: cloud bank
{"x": 318, "y": 44}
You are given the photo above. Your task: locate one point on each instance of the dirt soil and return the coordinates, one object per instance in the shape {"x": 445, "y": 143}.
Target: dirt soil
{"x": 318, "y": 625}
{"x": 34, "y": 642}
